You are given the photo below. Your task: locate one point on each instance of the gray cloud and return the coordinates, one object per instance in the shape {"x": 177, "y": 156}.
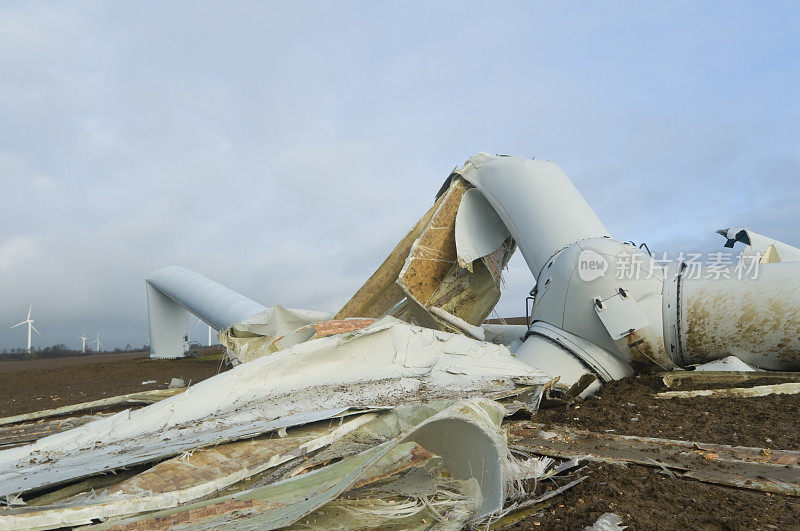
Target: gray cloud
{"x": 283, "y": 149}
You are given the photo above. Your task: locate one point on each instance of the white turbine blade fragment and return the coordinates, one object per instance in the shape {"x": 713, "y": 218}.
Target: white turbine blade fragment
{"x": 204, "y": 472}
{"x": 277, "y": 321}
{"x": 607, "y": 522}
{"x": 34, "y": 328}
{"x": 475, "y": 331}
{"x": 728, "y": 364}
{"x": 282, "y": 503}
{"x": 467, "y": 437}
{"x": 479, "y": 230}
{"x": 29, "y": 311}
{"x": 383, "y": 365}
{"x": 275, "y": 328}
{"x": 759, "y": 247}
{"x": 19, "y": 324}
{"x": 539, "y": 205}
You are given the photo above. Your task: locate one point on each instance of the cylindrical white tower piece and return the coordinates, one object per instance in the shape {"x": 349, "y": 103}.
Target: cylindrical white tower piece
{"x": 755, "y": 318}
{"x": 175, "y": 293}
{"x": 539, "y": 205}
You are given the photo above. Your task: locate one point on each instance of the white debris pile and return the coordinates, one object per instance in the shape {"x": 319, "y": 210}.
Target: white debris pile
{"x": 389, "y": 411}
{"x": 410, "y": 404}
{"x": 436, "y": 464}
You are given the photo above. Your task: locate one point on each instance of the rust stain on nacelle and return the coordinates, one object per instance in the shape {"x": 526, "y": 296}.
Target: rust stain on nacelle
{"x": 759, "y": 328}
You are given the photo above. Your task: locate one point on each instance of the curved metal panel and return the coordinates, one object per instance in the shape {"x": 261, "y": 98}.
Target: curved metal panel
{"x": 175, "y": 293}
{"x": 216, "y": 305}
{"x": 539, "y": 205}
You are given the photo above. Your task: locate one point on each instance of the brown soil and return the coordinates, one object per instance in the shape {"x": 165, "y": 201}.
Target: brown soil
{"x": 628, "y": 407}
{"x": 646, "y": 498}
{"x": 54, "y": 363}
{"x": 33, "y": 385}
{"x": 508, "y": 320}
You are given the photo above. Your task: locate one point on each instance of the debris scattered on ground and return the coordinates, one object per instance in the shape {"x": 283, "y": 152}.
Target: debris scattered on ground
{"x": 776, "y": 471}
{"x": 176, "y": 383}
{"x": 725, "y": 379}
{"x": 736, "y": 421}
{"x": 660, "y": 500}
{"x": 791, "y": 388}
{"x": 406, "y": 409}
{"x": 607, "y": 522}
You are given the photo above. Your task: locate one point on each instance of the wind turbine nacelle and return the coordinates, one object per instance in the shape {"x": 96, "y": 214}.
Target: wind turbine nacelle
{"x": 603, "y": 306}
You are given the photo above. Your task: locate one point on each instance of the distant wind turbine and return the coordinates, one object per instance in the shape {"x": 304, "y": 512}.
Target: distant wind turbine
{"x": 210, "y": 332}
{"x": 29, "y": 322}
{"x": 97, "y": 341}
{"x": 83, "y": 347}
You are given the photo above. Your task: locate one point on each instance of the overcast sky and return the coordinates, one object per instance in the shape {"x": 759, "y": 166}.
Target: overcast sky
{"x": 283, "y": 149}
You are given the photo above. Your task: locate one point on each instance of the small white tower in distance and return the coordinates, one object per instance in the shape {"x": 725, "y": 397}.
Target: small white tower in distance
{"x": 29, "y": 322}
{"x": 97, "y": 341}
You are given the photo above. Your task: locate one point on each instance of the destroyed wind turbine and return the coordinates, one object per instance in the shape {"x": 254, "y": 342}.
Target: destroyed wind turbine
{"x": 412, "y": 360}
{"x": 583, "y": 322}
{"x": 29, "y": 322}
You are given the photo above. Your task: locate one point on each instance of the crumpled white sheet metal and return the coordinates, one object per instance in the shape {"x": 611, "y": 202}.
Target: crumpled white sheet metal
{"x": 175, "y": 293}
{"x": 130, "y": 438}
{"x": 128, "y": 497}
{"x": 276, "y": 323}
{"x": 383, "y": 365}
{"x": 479, "y": 230}
{"x": 473, "y": 331}
{"x": 537, "y": 202}
{"x": 467, "y": 437}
